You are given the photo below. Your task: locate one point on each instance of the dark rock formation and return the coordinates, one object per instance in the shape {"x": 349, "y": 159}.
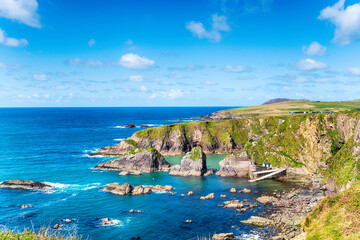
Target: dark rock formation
{"x": 235, "y": 165}
{"x": 130, "y": 125}
{"x": 144, "y": 159}
{"x": 25, "y": 184}
{"x": 144, "y": 126}
{"x": 192, "y": 164}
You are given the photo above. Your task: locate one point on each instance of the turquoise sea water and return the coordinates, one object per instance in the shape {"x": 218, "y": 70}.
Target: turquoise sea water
{"x": 51, "y": 145}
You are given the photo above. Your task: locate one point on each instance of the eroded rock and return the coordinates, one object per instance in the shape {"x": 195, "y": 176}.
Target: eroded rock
{"x": 192, "y": 164}
{"x": 25, "y": 184}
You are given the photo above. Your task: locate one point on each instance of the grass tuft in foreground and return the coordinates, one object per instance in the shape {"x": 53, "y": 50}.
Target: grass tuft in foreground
{"x": 42, "y": 234}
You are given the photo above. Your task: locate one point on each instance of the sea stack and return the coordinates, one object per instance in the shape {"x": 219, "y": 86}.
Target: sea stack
{"x": 235, "y": 165}
{"x": 192, "y": 164}
{"x": 141, "y": 159}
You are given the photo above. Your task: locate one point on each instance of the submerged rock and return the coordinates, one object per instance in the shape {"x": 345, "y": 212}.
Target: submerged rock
{"x": 258, "y": 221}
{"x": 161, "y": 188}
{"x": 190, "y": 193}
{"x": 140, "y": 159}
{"x": 25, "y": 184}
{"x": 223, "y": 236}
{"x": 192, "y": 164}
{"x": 245, "y": 190}
{"x": 25, "y": 206}
{"x": 235, "y": 165}
{"x": 233, "y": 190}
{"x": 266, "y": 199}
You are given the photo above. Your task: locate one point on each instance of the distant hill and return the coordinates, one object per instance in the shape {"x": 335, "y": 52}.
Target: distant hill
{"x": 279, "y": 100}
{"x": 283, "y": 106}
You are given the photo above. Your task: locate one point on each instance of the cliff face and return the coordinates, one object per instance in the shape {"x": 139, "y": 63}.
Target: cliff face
{"x": 317, "y": 141}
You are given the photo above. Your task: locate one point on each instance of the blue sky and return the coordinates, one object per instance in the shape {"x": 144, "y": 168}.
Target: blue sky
{"x": 177, "y": 53}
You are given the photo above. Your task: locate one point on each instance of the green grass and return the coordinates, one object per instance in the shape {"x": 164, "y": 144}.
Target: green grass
{"x": 284, "y": 108}
{"x": 42, "y": 234}
{"x": 336, "y": 217}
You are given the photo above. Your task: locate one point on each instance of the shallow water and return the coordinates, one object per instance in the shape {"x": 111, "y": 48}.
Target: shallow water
{"x": 50, "y": 145}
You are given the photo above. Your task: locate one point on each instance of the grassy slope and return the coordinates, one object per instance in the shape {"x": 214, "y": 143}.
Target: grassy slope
{"x": 336, "y": 217}
{"x": 285, "y": 107}
{"x": 44, "y": 234}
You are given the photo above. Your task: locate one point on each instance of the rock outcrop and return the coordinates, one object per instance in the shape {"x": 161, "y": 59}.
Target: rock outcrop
{"x": 257, "y": 221}
{"x": 223, "y": 236}
{"x": 192, "y": 164}
{"x": 119, "y": 189}
{"x": 25, "y": 184}
{"x": 143, "y": 159}
{"x": 236, "y": 165}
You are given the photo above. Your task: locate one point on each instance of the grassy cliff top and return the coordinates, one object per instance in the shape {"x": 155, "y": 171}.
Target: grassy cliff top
{"x": 283, "y": 108}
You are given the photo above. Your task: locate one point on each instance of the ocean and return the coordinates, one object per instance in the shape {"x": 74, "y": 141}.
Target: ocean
{"x": 51, "y": 145}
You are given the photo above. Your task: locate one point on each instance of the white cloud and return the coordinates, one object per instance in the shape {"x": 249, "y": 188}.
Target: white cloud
{"x": 129, "y": 42}
{"x": 40, "y": 77}
{"x": 143, "y": 88}
{"x": 310, "y": 64}
{"x": 136, "y": 78}
{"x": 91, "y": 42}
{"x": 209, "y": 83}
{"x": 74, "y": 61}
{"x": 354, "y": 70}
{"x": 171, "y": 94}
{"x": 93, "y": 63}
{"x": 175, "y": 75}
{"x": 219, "y": 25}
{"x": 134, "y": 61}
{"x": 346, "y": 21}
{"x": 23, "y": 11}
{"x": 2, "y": 65}
{"x": 88, "y": 62}
{"x": 230, "y": 68}
{"x": 314, "y": 49}
{"x": 12, "y": 42}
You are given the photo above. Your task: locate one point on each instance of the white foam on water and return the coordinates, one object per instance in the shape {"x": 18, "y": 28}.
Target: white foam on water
{"x": 91, "y": 186}
{"x": 113, "y": 222}
{"x": 251, "y": 236}
{"x": 119, "y": 139}
{"x": 159, "y": 191}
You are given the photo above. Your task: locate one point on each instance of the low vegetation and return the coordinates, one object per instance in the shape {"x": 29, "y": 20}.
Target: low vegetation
{"x": 336, "y": 217}
{"x": 42, "y": 234}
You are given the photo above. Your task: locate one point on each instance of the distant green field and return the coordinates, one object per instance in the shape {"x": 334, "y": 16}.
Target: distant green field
{"x": 284, "y": 108}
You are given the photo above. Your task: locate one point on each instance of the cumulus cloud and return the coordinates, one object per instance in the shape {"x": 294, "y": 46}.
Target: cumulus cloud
{"x": 219, "y": 25}
{"x": 134, "y": 61}
{"x": 12, "y": 42}
{"x": 176, "y": 75}
{"x": 91, "y": 42}
{"x": 93, "y": 63}
{"x": 40, "y": 77}
{"x": 229, "y": 68}
{"x": 354, "y": 70}
{"x": 346, "y": 21}
{"x": 73, "y": 61}
{"x": 310, "y": 64}
{"x": 136, "y": 78}
{"x": 314, "y": 49}
{"x": 23, "y": 11}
